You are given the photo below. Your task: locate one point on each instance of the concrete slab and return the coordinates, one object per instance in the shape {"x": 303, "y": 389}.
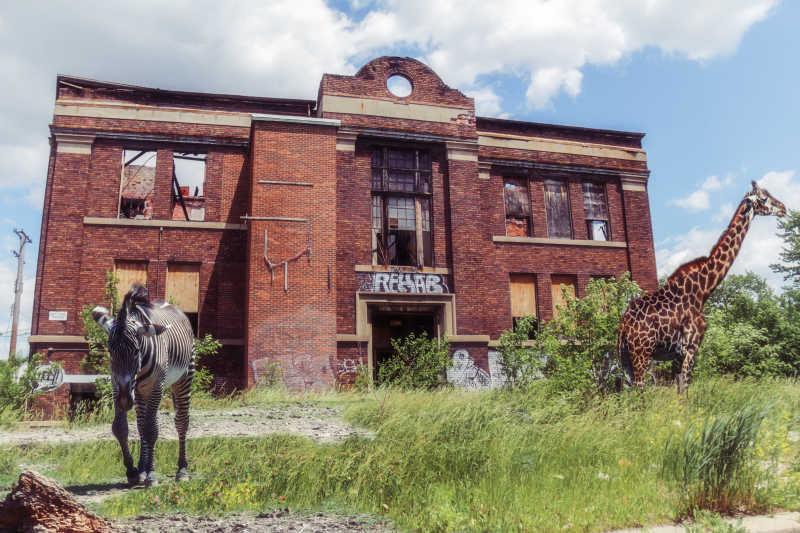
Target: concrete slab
{"x": 776, "y": 523}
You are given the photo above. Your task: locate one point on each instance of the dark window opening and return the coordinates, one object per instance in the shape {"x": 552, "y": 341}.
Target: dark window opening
{"x": 188, "y": 186}
{"x": 556, "y": 196}
{"x": 401, "y": 207}
{"x": 596, "y": 211}
{"x": 518, "y": 207}
{"x": 137, "y": 184}
{"x": 193, "y": 321}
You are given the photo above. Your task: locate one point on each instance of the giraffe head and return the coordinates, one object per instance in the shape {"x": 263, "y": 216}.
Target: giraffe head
{"x": 763, "y": 202}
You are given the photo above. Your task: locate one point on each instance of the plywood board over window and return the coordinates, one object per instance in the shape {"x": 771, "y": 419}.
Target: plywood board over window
{"x": 563, "y": 288}
{"x": 183, "y": 286}
{"x": 523, "y": 295}
{"x": 128, "y": 273}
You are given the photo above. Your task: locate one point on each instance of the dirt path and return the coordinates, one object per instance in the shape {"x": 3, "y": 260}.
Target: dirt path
{"x": 318, "y": 423}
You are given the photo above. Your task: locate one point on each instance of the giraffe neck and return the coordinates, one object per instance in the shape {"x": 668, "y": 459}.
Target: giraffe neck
{"x": 722, "y": 255}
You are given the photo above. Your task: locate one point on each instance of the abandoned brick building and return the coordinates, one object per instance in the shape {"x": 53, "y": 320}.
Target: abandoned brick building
{"x": 310, "y": 232}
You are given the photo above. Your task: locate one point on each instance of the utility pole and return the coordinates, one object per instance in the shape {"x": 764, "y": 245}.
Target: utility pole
{"x": 23, "y": 240}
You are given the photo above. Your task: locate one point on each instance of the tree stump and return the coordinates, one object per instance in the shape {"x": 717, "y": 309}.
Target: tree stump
{"x": 38, "y": 504}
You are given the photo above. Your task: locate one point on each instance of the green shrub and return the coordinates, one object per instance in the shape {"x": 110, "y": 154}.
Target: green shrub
{"x": 714, "y": 463}
{"x": 581, "y": 342}
{"x": 96, "y": 359}
{"x": 16, "y": 394}
{"x": 417, "y": 363}
{"x": 205, "y": 348}
{"x": 363, "y": 381}
{"x": 520, "y": 363}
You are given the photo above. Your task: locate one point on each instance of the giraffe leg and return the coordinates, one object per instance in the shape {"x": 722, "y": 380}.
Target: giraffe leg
{"x": 640, "y": 359}
{"x": 146, "y": 419}
{"x": 692, "y": 338}
{"x": 181, "y": 396}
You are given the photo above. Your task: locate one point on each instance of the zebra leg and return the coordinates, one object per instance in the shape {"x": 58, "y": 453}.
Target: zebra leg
{"x": 181, "y": 396}
{"x": 120, "y": 430}
{"x": 146, "y": 419}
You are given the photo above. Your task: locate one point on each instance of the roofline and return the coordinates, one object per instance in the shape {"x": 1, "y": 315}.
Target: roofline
{"x": 88, "y": 82}
{"x": 564, "y": 127}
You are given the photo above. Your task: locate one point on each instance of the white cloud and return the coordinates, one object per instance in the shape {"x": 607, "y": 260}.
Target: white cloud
{"x": 697, "y": 201}
{"x": 724, "y": 213}
{"x": 487, "y": 101}
{"x": 761, "y": 247}
{"x": 700, "y": 200}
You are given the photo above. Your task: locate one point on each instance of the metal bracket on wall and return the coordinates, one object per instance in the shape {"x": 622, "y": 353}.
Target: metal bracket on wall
{"x": 272, "y": 266}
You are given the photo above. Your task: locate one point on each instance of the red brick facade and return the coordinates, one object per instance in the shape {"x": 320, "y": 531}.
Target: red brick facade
{"x": 293, "y": 180}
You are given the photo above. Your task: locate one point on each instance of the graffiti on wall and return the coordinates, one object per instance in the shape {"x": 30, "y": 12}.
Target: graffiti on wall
{"x": 402, "y": 282}
{"x": 347, "y": 367}
{"x": 465, "y": 373}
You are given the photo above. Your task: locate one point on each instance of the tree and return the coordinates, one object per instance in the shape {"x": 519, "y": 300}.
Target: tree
{"x": 789, "y": 227}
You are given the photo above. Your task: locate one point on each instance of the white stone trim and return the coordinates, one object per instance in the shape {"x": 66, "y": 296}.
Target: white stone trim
{"x": 633, "y": 183}
{"x": 539, "y": 144}
{"x": 157, "y": 114}
{"x": 70, "y": 143}
{"x": 155, "y": 223}
{"x": 484, "y": 170}
{"x": 559, "y": 242}
{"x": 56, "y": 339}
{"x": 384, "y": 268}
{"x": 314, "y": 121}
{"x": 346, "y": 141}
{"x": 385, "y": 108}
{"x": 462, "y": 150}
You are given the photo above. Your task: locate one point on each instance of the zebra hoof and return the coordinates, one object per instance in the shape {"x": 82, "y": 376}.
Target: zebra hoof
{"x": 133, "y": 476}
{"x": 181, "y": 475}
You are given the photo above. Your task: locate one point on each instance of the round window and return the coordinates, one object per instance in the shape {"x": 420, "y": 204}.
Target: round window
{"x": 398, "y": 85}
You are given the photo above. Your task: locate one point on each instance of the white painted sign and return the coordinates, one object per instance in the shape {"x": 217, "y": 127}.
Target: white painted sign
{"x": 403, "y": 282}
{"x": 59, "y": 316}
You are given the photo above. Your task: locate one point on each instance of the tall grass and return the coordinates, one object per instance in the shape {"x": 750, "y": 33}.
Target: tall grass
{"x": 458, "y": 461}
{"x": 715, "y": 462}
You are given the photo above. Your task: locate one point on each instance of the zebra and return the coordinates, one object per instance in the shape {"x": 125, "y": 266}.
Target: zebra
{"x": 151, "y": 346}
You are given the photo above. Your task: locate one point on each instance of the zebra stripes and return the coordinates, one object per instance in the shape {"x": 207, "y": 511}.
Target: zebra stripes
{"x": 152, "y": 347}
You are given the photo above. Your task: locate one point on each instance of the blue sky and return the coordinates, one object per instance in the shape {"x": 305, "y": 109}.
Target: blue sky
{"x": 714, "y": 87}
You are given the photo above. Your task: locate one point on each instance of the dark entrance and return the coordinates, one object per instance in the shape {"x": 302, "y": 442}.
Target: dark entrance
{"x": 395, "y": 323}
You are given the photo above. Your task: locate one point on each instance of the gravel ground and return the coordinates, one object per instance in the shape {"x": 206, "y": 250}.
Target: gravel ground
{"x": 318, "y": 423}
{"x": 261, "y": 523}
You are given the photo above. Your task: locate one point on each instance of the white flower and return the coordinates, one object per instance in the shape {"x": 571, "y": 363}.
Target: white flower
{"x": 602, "y": 475}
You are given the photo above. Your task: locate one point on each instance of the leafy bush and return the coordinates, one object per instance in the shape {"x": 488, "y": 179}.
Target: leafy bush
{"x": 363, "y": 381}
{"x": 418, "y": 362}
{"x": 97, "y": 358}
{"x": 751, "y": 332}
{"x": 714, "y": 463}
{"x": 581, "y": 342}
{"x": 203, "y": 381}
{"x": 520, "y": 363}
{"x": 16, "y": 394}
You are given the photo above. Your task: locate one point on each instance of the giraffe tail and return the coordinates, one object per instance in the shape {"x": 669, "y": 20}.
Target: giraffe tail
{"x": 625, "y": 356}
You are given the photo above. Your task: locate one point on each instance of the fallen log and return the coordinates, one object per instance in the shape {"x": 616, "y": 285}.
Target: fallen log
{"x": 39, "y": 504}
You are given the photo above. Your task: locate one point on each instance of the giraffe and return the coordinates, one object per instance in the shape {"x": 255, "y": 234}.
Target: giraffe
{"x": 669, "y": 323}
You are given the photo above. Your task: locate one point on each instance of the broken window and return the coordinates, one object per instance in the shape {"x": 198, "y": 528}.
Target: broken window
{"x": 137, "y": 184}
{"x": 518, "y": 207}
{"x": 596, "y": 210}
{"x": 401, "y": 207}
{"x": 556, "y": 196}
{"x": 188, "y": 186}
{"x": 523, "y": 298}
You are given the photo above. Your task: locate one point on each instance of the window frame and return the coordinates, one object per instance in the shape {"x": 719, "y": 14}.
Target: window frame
{"x": 421, "y": 192}
{"x": 529, "y": 216}
{"x": 548, "y": 218}
{"x": 589, "y": 220}
{"x": 125, "y": 181}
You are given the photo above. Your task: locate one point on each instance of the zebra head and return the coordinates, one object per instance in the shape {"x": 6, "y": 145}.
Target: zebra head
{"x": 126, "y": 338}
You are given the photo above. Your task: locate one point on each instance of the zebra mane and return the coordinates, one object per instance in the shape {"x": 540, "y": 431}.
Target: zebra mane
{"x": 137, "y": 297}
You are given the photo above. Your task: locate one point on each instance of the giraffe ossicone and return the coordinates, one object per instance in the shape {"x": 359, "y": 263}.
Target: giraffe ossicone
{"x": 668, "y": 324}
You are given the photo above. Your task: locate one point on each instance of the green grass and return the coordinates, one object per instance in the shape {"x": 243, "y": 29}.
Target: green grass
{"x": 455, "y": 461}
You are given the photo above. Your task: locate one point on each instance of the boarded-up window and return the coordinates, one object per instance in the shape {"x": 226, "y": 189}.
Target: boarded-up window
{"x": 518, "y": 207}
{"x": 556, "y": 199}
{"x": 596, "y": 210}
{"x": 523, "y": 297}
{"x": 137, "y": 184}
{"x": 183, "y": 286}
{"x": 128, "y": 273}
{"x": 188, "y": 186}
{"x": 563, "y": 288}
{"x": 183, "y": 289}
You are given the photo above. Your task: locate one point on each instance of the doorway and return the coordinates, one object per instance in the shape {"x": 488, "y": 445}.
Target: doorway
{"x": 390, "y": 323}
